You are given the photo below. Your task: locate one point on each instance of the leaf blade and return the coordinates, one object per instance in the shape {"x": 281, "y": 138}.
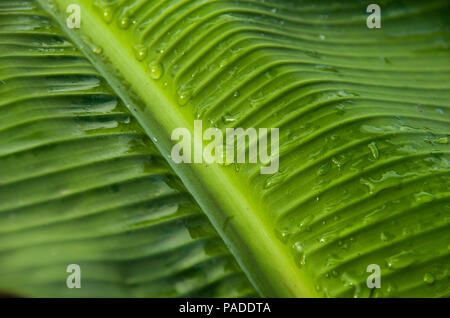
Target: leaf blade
{"x": 81, "y": 183}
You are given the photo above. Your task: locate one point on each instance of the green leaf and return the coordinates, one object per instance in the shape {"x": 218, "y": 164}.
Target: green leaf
{"x": 363, "y": 116}
{"x": 81, "y": 183}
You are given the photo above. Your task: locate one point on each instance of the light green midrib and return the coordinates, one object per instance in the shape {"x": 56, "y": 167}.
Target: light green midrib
{"x": 264, "y": 259}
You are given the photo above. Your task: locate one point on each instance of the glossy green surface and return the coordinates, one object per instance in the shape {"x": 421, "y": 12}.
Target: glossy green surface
{"x": 81, "y": 183}
{"x": 364, "y": 129}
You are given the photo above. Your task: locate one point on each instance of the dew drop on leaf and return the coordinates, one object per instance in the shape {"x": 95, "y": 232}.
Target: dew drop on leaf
{"x": 282, "y": 235}
{"x": 140, "y": 52}
{"x": 228, "y": 118}
{"x": 299, "y": 254}
{"x": 97, "y": 50}
{"x": 107, "y": 15}
{"x": 182, "y": 99}
{"x": 156, "y": 70}
{"x": 374, "y": 150}
{"x": 428, "y": 278}
{"x": 274, "y": 179}
{"x": 401, "y": 260}
{"x": 124, "y": 22}
{"x": 370, "y": 186}
{"x": 386, "y": 236}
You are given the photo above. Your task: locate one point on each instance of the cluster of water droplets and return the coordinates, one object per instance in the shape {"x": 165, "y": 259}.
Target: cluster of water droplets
{"x": 124, "y": 21}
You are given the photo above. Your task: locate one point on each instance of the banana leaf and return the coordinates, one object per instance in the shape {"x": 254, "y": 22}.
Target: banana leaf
{"x": 363, "y": 176}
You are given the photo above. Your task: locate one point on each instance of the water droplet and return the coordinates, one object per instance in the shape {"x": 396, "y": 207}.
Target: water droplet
{"x": 124, "y": 22}
{"x": 441, "y": 140}
{"x": 182, "y": 99}
{"x": 428, "y": 278}
{"x": 107, "y": 15}
{"x": 326, "y": 68}
{"x": 92, "y": 46}
{"x": 97, "y": 50}
{"x": 228, "y": 118}
{"x": 324, "y": 169}
{"x": 423, "y": 197}
{"x": 342, "y": 93}
{"x": 274, "y": 179}
{"x": 156, "y": 70}
{"x": 184, "y": 95}
{"x": 283, "y": 236}
{"x": 337, "y": 163}
{"x": 359, "y": 290}
{"x": 306, "y": 221}
{"x": 299, "y": 254}
{"x": 236, "y": 94}
{"x": 374, "y": 150}
{"x": 368, "y": 184}
{"x": 386, "y": 236}
{"x": 340, "y": 109}
{"x": 401, "y": 260}
{"x": 439, "y": 111}
{"x": 140, "y": 52}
